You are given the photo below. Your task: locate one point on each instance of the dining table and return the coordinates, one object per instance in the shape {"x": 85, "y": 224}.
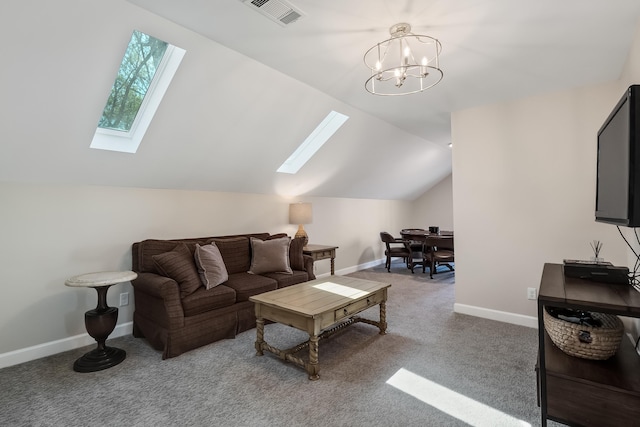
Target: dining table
{"x": 421, "y": 233}
{"x": 418, "y": 238}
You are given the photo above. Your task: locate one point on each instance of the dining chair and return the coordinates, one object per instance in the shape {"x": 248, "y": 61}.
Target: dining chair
{"x": 439, "y": 251}
{"x": 396, "y": 248}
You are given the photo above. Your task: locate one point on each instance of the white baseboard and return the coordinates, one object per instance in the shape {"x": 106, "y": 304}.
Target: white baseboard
{"x": 501, "y": 316}
{"x": 486, "y": 313}
{"x": 47, "y": 349}
{"x": 359, "y": 267}
{"x": 353, "y": 269}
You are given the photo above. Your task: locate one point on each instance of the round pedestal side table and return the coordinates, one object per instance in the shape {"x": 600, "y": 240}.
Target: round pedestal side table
{"x": 100, "y": 321}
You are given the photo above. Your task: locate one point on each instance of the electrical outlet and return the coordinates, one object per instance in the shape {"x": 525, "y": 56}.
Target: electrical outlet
{"x": 124, "y": 299}
{"x": 532, "y": 293}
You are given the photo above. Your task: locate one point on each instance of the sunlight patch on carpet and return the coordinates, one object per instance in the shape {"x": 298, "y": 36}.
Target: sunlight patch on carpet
{"x": 450, "y": 402}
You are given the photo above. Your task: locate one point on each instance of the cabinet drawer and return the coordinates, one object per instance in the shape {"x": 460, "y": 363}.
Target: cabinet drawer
{"x": 321, "y": 254}
{"x": 357, "y": 306}
{"x": 591, "y": 404}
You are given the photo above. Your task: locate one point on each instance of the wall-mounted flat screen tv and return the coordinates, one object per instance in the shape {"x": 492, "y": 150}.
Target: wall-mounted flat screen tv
{"x": 618, "y": 174}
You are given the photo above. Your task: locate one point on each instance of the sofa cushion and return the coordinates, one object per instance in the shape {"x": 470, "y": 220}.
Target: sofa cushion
{"x": 203, "y": 300}
{"x": 236, "y": 254}
{"x": 276, "y": 236}
{"x": 210, "y": 265}
{"x": 143, "y": 251}
{"x": 247, "y": 285}
{"x": 285, "y": 280}
{"x": 179, "y": 265}
{"x": 270, "y": 256}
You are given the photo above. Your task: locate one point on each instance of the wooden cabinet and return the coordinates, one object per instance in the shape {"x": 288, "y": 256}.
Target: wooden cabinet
{"x": 581, "y": 392}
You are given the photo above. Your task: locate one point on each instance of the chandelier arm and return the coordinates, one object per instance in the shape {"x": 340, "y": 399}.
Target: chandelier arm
{"x": 421, "y": 89}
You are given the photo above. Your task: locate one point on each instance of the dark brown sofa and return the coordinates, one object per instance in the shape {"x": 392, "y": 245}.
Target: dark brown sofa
{"x": 177, "y": 323}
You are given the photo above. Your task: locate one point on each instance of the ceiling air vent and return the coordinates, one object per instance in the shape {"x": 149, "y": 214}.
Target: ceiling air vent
{"x": 278, "y": 11}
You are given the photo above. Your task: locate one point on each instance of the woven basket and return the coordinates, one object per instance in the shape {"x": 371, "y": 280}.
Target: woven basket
{"x": 587, "y": 342}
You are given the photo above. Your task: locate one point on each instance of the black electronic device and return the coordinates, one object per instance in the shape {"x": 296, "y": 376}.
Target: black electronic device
{"x": 579, "y": 317}
{"x": 598, "y": 272}
{"x": 618, "y": 165}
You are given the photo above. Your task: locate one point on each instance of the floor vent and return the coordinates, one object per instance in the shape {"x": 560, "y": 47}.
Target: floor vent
{"x": 278, "y": 11}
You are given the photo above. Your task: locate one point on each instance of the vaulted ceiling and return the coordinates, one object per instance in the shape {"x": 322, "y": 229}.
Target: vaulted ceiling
{"x": 249, "y": 90}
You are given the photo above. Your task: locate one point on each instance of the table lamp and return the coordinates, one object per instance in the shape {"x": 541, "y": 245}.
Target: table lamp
{"x": 300, "y": 213}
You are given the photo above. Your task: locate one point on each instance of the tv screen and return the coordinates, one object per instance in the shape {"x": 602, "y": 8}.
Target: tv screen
{"x": 616, "y": 201}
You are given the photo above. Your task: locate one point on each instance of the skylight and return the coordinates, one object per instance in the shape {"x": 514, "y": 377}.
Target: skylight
{"x": 145, "y": 73}
{"x": 314, "y": 141}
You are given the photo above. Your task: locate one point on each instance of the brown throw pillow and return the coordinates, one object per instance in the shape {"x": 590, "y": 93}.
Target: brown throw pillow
{"x": 210, "y": 265}
{"x": 180, "y": 266}
{"x": 270, "y": 256}
{"x": 296, "y": 258}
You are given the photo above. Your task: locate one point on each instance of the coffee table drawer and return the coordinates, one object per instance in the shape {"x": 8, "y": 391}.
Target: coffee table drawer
{"x": 357, "y": 306}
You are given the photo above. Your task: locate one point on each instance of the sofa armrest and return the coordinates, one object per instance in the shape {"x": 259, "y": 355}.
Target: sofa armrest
{"x": 158, "y": 296}
{"x": 308, "y": 266}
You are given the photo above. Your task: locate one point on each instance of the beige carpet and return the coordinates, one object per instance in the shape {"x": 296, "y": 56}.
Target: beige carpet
{"x": 433, "y": 368}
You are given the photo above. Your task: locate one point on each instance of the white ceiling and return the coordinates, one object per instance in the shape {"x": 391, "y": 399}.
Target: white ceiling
{"x": 493, "y": 50}
{"x": 239, "y": 105}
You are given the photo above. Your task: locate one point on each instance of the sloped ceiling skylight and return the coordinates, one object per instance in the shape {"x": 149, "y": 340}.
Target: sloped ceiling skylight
{"x": 145, "y": 73}
{"x": 314, "y": 141}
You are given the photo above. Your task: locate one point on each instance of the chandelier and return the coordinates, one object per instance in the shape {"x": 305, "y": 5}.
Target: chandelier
{"x": 404, "y": 64}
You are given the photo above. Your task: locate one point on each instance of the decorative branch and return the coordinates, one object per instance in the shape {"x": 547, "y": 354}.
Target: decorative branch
{"x": 596, "y": 245}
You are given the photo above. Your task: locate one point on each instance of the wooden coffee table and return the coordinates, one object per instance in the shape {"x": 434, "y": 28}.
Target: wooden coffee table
{"x": 321, "y": 308}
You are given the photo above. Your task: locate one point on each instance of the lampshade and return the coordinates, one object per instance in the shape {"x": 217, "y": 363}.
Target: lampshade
{"x": 300, "y": 213}
{"x": 404, "y": 64}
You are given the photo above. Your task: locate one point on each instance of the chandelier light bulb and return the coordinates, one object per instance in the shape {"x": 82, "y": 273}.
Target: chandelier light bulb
{"x": 423, "y": 67}
{"x": 378, "y": 72}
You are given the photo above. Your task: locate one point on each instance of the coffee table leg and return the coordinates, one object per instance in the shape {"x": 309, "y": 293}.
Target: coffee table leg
{"x": 259, "y": 335}
{"x": 383, "y": 317}
{"x": 312, "y": 366}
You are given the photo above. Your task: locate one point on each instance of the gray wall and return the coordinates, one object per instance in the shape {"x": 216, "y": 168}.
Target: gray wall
{"x": 435, "y": 207}
{"x": 524, "y": 193}
{"x": 53, "y": 232}
{"x": 68, "y": 210}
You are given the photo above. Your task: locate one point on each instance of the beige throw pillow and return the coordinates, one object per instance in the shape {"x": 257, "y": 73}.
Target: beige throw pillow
{"x": 270, "y": 256}
{"x": 210, "y": 265}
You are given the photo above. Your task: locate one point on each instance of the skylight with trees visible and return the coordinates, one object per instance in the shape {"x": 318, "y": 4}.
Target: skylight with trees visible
{"x": 145, "y": 73}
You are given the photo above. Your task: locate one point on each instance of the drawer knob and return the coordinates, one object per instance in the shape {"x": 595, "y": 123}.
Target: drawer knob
{"x": 346, "y": 311}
